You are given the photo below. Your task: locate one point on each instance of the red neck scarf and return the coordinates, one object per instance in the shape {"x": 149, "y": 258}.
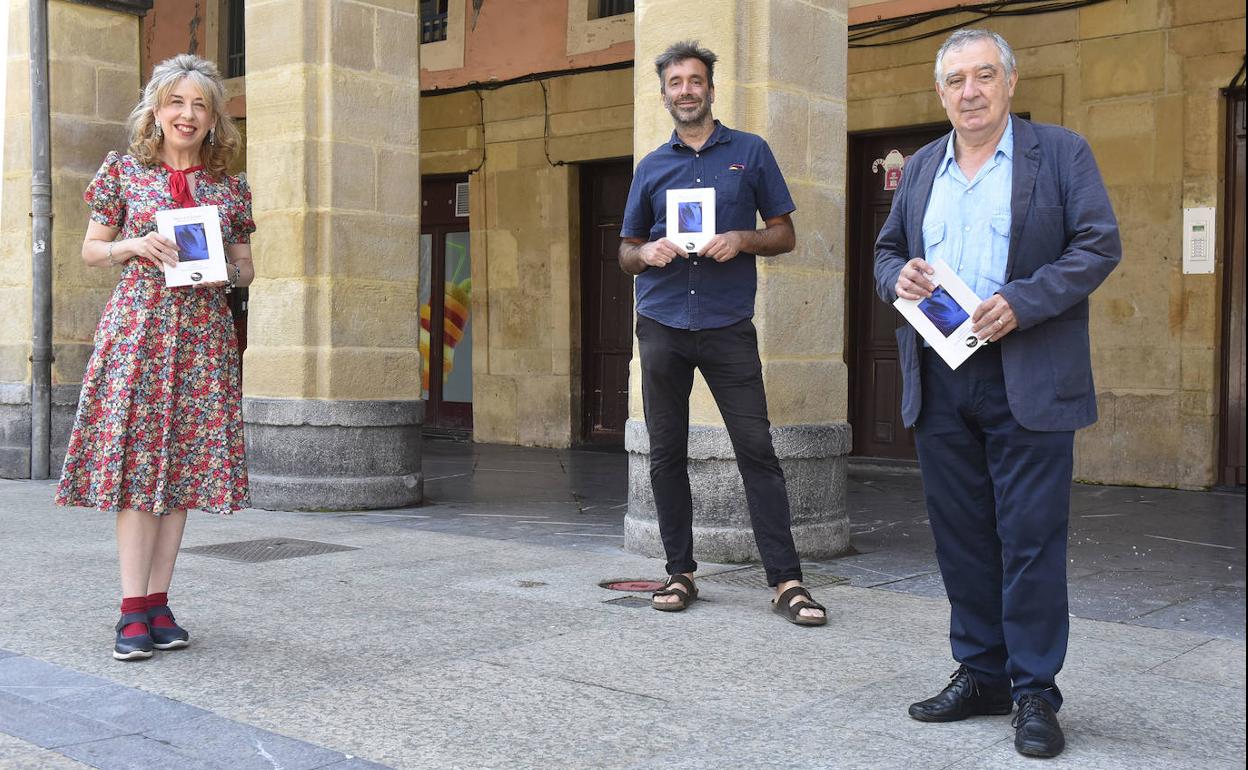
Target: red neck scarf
{"x": 179, "y": 187}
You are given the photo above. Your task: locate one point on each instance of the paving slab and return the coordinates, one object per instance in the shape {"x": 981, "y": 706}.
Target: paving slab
{"x": 29, "y": 678}
{"x": 39, "y": 759}
{"x": 134, "y": 752}
{"x": 880, "y": 708}
{"x": 355, "y": 764}
{"x": 1155, "y": 711}
{"x": 48, "y": 726}
{"x": 1217, "y": 662}
{"x": 804, "y": 741}
{"x": 1218, "y": 611}
{"x": 126, "y": 708}
{"x": 225, "y": 743}
{"x": 476, "y": 715}
{"x": 1086, "y": 751}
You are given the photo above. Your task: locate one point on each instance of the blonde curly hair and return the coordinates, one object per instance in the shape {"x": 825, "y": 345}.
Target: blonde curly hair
{"x": 204, "y": 75}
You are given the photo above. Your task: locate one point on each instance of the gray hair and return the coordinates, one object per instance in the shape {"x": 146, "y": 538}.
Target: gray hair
{"x": 686, "y": 49}
{"x": 964, "y": 37}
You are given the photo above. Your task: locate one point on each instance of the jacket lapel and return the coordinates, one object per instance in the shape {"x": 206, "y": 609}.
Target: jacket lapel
{"x": 1025, "y": 168}
{"x": 922, "y": 194}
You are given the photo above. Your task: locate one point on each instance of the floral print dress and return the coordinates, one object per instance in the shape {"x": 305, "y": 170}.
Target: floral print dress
{"x": 159, "y": 424}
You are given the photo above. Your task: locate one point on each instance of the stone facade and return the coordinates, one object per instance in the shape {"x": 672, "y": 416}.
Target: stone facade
{"x": 332, "y": 370}
{"x": 779, "y": 75}
{"x": 1141, "y": 81}
{"x": 94, "y": 83}
{"x": 339, "y": 133}
{"x": 521, "y": 142}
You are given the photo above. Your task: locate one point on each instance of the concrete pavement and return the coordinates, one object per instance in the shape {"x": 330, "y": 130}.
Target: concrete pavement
{"x": 473, "y": 633}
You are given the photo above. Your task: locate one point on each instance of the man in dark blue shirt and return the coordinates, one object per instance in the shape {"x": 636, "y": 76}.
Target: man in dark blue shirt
{"x": 694, "y": 311}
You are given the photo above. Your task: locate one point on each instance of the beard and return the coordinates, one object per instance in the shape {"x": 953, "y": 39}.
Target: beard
{"x": 695, "y": 118}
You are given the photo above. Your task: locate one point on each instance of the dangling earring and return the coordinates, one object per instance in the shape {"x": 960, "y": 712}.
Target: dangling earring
{"x": 160, "y": 134}
{"x": 212, "y": 136}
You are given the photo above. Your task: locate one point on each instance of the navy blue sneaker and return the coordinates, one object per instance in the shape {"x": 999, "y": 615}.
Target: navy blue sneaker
{"x": 132, "y": 647}
{"x": 172, "y": 637}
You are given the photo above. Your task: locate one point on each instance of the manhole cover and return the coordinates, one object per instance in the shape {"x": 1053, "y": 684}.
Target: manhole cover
{"x": 756, "y": 577}
{"x": 267, "y": 549}
{"x": 629, "y": 584}
{"x": 635, "y": 602}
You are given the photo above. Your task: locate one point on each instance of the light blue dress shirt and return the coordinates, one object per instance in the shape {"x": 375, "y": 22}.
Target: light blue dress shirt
{"x": 967, "y": 224}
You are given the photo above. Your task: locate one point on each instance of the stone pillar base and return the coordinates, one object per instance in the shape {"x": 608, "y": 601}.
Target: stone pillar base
{"x": 813, "y": 460}
{"x": 15, "y": 427}
{"x": 309, "y": 455}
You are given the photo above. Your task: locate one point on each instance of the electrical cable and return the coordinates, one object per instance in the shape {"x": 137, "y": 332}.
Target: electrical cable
{"x": 481, "y": 99}
{"x": 1238, "y": 80}
{"x": 546, "y": 126}
{"x": 492, "y": 85}
{"x": 985, "y": 11}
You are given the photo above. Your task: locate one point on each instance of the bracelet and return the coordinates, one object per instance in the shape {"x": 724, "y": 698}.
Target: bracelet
{"x": 235, "y": 274}
{"x": 111, "y": 261}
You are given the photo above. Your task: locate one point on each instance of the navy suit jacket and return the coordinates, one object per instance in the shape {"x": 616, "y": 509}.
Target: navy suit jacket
{"x": 1063, "y": 243}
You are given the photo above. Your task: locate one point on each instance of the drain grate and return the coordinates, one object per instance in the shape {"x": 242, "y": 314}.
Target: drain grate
{"x": 267, "y": 549}
{"x": 634, "y": 602}
{"x": 756, "y": 577}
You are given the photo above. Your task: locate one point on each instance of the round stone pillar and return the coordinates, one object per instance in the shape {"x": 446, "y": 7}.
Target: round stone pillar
{"x": 813, "y": 460}
{"x": 332, "y": 381}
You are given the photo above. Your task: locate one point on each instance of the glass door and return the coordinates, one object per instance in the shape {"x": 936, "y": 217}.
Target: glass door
{"x": 445, "y": 311}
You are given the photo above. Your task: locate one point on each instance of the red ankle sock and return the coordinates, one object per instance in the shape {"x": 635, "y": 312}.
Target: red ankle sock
{"x": 131, "y": 604}
{"x": 159, "y": 600}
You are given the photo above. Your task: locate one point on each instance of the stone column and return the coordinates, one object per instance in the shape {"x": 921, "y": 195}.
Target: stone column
{"x": 781, "y": 74}
{"x": 93, "y": 50}
{"x": 332, "y": 370}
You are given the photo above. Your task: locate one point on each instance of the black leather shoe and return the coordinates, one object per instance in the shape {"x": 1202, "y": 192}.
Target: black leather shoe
{"x": 166, "y": 637}
{"x": 1036, "y": 731}
{"x": 962, "y": 698}
{"x": 132, "y": 647}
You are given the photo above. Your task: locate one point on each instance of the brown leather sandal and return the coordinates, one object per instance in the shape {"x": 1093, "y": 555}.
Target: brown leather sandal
{"x": 793, "y": 612}
{"x": 669, "y": 589}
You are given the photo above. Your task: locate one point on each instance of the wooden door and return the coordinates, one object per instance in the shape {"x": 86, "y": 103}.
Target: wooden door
{"x": 606, "y": 303}
{"x": 871, "y": 347}
{"x": 445, "y": 314}
{"x": 1231, "y": 452}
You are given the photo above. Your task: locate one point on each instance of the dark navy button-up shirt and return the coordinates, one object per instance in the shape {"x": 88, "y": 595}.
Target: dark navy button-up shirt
{"x": 700, "y": 293}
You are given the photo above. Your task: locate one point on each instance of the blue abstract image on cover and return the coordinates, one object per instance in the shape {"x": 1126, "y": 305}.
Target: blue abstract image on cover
{"x": 943, "y": 311}
{"x": 690, "y": 216}
{"x": 192, "y": 242}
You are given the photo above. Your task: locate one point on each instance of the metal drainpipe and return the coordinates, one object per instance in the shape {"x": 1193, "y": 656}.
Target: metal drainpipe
{"x": 41, "y": 245}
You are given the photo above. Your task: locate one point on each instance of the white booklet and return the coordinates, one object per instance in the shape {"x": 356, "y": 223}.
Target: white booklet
{"x": 944, "y": 319}
{"x": 201, "y": 252}
{"x": 691, "y": 217}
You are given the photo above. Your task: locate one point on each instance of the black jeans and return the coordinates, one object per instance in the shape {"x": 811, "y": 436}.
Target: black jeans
{"x": 728, "y": 360}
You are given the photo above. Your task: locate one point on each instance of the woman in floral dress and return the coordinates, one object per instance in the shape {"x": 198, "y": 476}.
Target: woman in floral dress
{"x": 159, "y": 426}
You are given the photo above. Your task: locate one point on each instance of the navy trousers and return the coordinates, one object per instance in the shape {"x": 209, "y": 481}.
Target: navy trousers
{"x": 728, "y": 360}
{"x": 998, "y": 498}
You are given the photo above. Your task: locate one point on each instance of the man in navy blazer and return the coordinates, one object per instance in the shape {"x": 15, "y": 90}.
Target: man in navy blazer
{"x": 1019, "y": 211}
